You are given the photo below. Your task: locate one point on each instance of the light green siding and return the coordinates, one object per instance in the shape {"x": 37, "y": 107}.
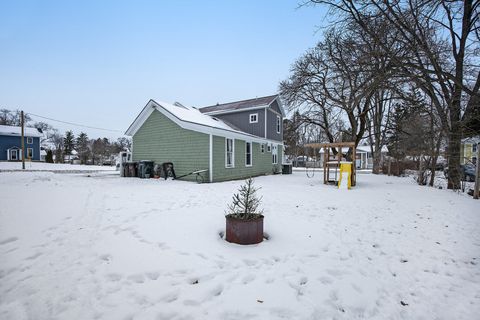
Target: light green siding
{"x": 261, "y": 162}
{"x": 161, "y": 140}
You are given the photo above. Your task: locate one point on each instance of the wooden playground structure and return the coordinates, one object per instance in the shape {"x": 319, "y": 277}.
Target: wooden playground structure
{"x": 332, "y": 160}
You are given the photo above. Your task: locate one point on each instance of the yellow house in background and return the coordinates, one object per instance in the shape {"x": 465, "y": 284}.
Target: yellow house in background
{"x": 469, "y": 151}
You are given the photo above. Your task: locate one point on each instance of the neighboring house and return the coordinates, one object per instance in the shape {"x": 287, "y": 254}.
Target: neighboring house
{"x": 11, "y": 143}
{"x": 193, "y": 140}
{"x": 363, "y": 154}
{"x": 469, "y": 151}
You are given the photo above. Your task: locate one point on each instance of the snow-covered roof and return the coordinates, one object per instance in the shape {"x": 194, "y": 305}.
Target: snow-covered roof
{"x": 471, "y": 140}
{"x": 191, "y": 119}
{"x": 17, "y": 131}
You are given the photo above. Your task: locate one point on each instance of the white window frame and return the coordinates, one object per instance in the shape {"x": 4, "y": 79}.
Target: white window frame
{"x": 269, "y": 147}
{"x": 246, "y": 154}
{"x": 275, "y": 154}
{"x": 278, "y": 124}
{"x": 10, "y": 152}
{"x": 29, "y": 140}
{"x": 474, "y": 147}
{"x": 250, "y": 118}
{"x": 232, "y": 165}
{"x": 262, "y": 147}
{"x": 28, "y": 153}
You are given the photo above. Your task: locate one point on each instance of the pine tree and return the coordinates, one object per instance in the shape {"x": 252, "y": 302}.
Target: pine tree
{"x": 68, "y": 143}
{"x": 245, "y": 203}
{"x": 49, "y": 157}
{"x": 82, "y": 147}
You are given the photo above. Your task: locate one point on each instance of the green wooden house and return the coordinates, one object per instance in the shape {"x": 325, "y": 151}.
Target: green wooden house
{"x": 193, "y": 140}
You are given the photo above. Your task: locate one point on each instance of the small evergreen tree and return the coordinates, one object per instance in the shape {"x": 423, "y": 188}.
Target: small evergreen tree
{"x": 49, "y": 157}
{"x": 245, "y": 203}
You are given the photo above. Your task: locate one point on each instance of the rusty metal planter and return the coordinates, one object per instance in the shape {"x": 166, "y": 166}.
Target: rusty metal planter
{"x": 244, "y": 231}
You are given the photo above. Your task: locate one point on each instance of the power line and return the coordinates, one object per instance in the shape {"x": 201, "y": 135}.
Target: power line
{"x": 74, "y": 124}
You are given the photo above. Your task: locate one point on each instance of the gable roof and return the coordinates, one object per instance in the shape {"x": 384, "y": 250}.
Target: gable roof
{"x": 191, "y": 119}
{"x": 17, "y": 131}
{"x": 243, "y": 105}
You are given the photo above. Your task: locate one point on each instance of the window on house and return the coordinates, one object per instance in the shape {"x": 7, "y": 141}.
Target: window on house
{"x": 29, "y": 140}
{"x": 474, "y": 160}
{"x": 253, "y": 117}
{"x": 248, "y": 154}
{"x": 274, "y": 155}
{"x": 262, "y": 148}
{"x": 29, "y": 153}
{"x": 229, "y": 154}
{"x": 278, "y": 124}
{"x": 269, "y": 148}
{"x": 474, "y": 147}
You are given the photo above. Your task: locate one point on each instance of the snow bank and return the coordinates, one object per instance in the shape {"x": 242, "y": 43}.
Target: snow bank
{"x": 54, "y": 167}
{"x": 103, "y": 247}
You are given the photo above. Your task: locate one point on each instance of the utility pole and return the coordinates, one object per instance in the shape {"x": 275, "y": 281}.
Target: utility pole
{"x": 477, "y": 175}
{"x": 22, "y": 121}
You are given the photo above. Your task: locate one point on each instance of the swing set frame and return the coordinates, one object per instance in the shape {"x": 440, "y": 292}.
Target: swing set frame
{"x": 333, "y": 161}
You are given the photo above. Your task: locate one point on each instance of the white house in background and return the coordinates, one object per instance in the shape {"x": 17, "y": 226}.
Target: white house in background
{"x": 364, "y": 156}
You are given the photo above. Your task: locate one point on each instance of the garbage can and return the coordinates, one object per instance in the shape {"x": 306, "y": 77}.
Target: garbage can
{"x": 145, "y": 169}
{"x": 132, "y": 169}
{"x": 287, "y": 168}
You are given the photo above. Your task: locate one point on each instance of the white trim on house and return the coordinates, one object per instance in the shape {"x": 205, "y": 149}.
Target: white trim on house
{"x": 248, "y": 143}
{"x": 210, "y": 158}
{"x": 250, "y": 118}
{"x": 279, "y": 124}
{"x": 222, "y": 130}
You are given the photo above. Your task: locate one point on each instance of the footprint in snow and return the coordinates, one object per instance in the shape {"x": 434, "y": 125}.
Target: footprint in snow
{"x": 249, "y": 278}
{"x": 152, "y": 275}
{"x": 8, "y": 240}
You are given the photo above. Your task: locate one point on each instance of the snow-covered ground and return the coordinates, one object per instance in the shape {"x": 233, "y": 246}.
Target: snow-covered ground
{"x": 97, "y": 246}
{"x": 54, "y": 167}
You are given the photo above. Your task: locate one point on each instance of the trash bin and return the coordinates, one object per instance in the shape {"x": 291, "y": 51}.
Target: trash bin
{"x": 132, "y": 169}
{"x": 145, "y": 169}
{"x": 287, "y": 168}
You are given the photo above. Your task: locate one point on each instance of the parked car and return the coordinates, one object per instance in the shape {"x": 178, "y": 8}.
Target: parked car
{"x": 467, "y": 172}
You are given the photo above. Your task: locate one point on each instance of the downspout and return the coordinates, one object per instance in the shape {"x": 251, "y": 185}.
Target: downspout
{"x": 210, "y": 158}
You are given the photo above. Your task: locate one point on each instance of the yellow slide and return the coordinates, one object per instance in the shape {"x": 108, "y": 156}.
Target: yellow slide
{"x": 345, "y": 173}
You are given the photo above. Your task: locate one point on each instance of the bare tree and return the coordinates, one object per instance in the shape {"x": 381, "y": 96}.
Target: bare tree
{"x": 442, "y": 37}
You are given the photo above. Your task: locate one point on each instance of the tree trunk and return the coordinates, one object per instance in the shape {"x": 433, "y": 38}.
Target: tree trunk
{"x": 377, "y": 155}
{"x": 454, "y": 141}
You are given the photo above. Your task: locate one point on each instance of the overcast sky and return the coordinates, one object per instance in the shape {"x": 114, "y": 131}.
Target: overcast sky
{"x": 98, "y": 62}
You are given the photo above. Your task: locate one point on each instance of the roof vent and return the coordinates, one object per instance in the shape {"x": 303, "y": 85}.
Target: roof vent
{"x": 178, "y": 104}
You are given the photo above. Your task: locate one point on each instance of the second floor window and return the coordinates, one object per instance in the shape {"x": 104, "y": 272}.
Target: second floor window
{"x": 29, "y": 140}
{"x": 278, "y": 124}
{"x": 253, "y": 117}
{"x": 474, "y": 147}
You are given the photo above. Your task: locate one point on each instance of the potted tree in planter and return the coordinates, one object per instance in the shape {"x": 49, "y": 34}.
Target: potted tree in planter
{"x": 244, "y": 221}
